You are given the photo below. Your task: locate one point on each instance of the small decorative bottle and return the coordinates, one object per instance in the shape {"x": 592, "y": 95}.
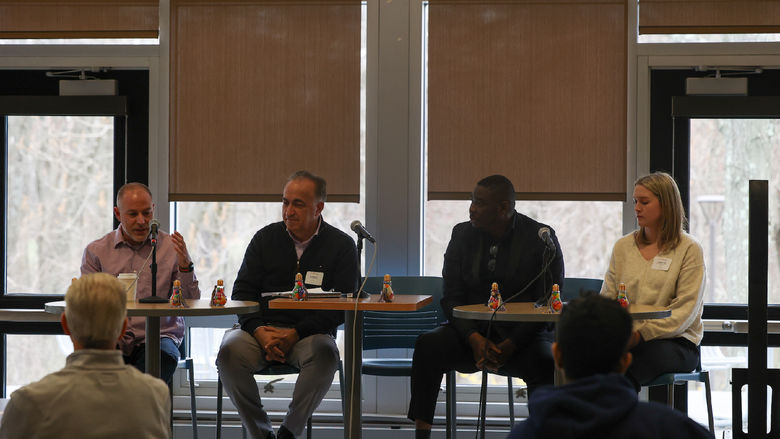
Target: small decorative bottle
{"x": 621, "y": 297}
{"x": 299, "y": 290}
{"x": 495, "y": 302}
{"x": 176, "y": 297}
{"x": 218, "y": 297}
{"x": 387, "y": 290}
{"x": 555, "y": 299}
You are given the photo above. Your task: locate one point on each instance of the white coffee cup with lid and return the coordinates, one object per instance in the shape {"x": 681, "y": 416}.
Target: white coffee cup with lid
{"x": 129, "y": 282}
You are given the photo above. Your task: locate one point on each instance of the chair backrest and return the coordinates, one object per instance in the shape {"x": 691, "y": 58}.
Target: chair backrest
{"x": 384, "y": 330}
{"x": 183, "y": 347}
{"x": 573, "y": 287}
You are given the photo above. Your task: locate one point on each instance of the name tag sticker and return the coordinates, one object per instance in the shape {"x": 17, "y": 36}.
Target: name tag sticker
{"x": 314, "y": 278}
{"x": 662, "y": 264}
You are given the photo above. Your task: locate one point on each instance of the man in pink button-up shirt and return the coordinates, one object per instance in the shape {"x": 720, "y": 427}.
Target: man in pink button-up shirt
{"x": 127, "y": 250}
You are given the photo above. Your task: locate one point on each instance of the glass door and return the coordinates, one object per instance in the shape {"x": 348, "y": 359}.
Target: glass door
{"x": 724, "y": 155}
{"x": 713, "y": 146}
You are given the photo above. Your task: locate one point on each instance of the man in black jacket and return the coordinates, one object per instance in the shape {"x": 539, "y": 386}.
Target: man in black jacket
{"x": 497, "y": 245}
{"x": 325, "y": 257}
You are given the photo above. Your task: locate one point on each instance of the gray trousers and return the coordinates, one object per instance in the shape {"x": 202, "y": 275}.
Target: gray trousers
{"x": 240, "y": 356}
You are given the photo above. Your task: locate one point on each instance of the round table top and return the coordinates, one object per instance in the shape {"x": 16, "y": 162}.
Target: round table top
{"x": 526, "y": 312}
{"x": 401, "y": 302}
{"x": 199, "y": 307}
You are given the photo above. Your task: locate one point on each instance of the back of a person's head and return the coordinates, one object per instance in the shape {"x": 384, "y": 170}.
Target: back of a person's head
{"x": 592, "y": 335}
{"x": 95, "y": 308}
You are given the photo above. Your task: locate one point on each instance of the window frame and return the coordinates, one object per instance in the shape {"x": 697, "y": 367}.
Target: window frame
{"x": 26, "y": 92}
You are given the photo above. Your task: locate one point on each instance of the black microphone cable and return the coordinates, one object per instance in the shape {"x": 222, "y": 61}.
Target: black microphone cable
{"x": 481, "y": 414}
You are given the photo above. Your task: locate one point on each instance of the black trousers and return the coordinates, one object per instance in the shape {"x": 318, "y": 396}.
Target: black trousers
{"x": 655, "y": 357}
{"x": 443, "y": 350}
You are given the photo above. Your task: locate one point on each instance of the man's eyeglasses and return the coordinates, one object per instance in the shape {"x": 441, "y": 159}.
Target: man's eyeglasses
{"x": 492, "y": 261}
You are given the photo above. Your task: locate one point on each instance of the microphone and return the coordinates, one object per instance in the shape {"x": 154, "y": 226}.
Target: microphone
{"x": 361, "y": 231}
{"x": 154, "y": 227}
{"x": 544, "y": 235}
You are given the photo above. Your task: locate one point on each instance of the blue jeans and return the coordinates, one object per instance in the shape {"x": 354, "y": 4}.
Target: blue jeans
{"x": 169, "y": 358}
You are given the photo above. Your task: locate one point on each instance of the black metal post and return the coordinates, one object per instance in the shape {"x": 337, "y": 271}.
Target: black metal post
{"x": 758, "y": 237}
{"x": 154, "y": 298}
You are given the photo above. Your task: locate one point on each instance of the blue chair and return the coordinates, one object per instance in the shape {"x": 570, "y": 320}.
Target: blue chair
{"x": 399, "y": 330}
{"x": 699, "y": 375}
{"x": 185, "y": 362}
{"x": 573, "y": 287}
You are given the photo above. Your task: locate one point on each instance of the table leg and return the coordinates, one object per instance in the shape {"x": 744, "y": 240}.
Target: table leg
{"x": 558, "y": 377}
{"x": 483, "y": 404}
{"x": 353, "y": 361}
{"x": 153, "y": 346}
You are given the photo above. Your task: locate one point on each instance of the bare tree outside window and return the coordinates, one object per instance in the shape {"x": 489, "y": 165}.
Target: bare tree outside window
{"x": 59, "y": 183}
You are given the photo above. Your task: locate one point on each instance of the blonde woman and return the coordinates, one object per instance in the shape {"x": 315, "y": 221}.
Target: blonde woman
{"x": 663, "y": 266}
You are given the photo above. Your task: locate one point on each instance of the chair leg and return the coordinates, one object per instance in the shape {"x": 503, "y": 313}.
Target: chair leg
{"x": 670, "y": 395}
{"x": 342, "y": 388}
{"x": 343, "y": 401}
{"x": 511, "y": 401}
{"x": 193, "y": 408}
{"x": 708, "y": 393}
{"x": 219, "y": 408}
{"x": 450, "y": 408}
{"x": 170, "y": 398}
{"x": 308, "y": 428}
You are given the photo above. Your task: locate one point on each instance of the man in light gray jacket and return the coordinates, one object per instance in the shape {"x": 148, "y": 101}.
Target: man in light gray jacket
{"x": 96, "y": 395}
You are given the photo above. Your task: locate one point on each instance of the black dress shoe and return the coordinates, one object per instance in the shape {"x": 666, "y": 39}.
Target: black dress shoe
{"x": 284, "y": 433}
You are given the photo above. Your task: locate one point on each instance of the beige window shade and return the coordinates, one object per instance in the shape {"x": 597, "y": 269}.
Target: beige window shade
{"x": 260, "y": 90}
{"x": 708, "y": 16}
{"x": 79, "y": 19}
{"x": 534, "y": 90}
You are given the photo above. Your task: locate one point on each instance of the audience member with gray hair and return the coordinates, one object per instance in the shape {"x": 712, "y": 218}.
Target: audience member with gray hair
{"x": 96, "y": 395}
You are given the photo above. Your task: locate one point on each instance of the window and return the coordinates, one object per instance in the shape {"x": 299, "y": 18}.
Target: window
{"x": 714, "y": 145}
{"x": 64, "y": 159}
{"x": 84, "y": 41}
{"x": 26, "y": 365}
{"x": 586, "y": 231}
{"x": 707, "y": 38}
{"x": 725, "y": 154}
{"x": 55, "y": 163}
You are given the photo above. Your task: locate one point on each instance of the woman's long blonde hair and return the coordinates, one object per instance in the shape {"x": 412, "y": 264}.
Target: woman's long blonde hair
{"x": 672, "y": 221}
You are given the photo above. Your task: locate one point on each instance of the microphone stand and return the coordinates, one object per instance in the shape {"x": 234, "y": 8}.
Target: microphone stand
{"x": 153, "y": 298}
{"x": 360, "y": 294}
{"x": 545, "y": 299}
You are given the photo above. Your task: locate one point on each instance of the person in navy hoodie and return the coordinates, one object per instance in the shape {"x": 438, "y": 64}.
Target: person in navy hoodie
{"x": 592, "y": 344}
